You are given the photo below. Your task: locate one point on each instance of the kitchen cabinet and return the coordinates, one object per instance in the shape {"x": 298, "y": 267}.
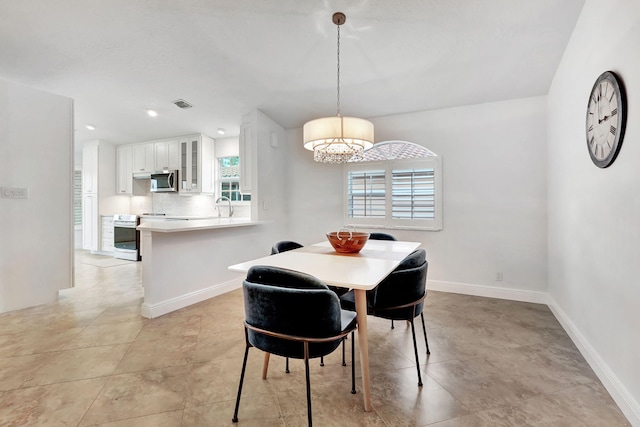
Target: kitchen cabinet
{"x": 107, "y": 233}
{"x": 197, "y": 165}
{"x": 144, "y": 157}
{"x": 124, "y": 173}
{"x": 99, "y": 196}
{"x": 167, "y": 155}
{"x": 90, "y": 168}
{"x": 192, "y": 155}
{"x": 90, "y": 222}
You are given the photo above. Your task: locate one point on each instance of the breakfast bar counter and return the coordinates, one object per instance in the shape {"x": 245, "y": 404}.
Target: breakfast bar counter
{"x": 184, "y": 261}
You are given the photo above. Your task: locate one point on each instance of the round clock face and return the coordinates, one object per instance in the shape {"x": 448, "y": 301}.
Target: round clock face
{"x": 606, "y": 119}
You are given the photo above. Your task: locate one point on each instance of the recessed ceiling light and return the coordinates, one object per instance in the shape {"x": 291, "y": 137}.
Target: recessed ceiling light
{"x": 90, "y": 127}
{"x": 220, "y": 131}
{"x": 152, "y": 113}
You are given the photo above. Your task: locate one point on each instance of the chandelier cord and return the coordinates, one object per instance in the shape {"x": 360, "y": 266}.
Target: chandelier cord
{"x": 338, "y": 71}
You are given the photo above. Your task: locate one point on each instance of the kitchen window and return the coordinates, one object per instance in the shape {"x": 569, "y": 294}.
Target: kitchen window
{"x": 397, "y": 186}
{"x": 230, "y": 179}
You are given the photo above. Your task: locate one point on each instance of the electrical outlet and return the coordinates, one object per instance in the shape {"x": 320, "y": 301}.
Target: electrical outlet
{"x": 14, "y": 193}
{"x": 499, "y": 276}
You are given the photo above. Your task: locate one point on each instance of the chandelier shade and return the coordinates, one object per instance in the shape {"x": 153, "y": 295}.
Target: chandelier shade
{"x": 337, "y": 139}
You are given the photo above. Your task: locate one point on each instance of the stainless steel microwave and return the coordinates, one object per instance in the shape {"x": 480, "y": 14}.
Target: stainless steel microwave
{"x": 164, "y": 182}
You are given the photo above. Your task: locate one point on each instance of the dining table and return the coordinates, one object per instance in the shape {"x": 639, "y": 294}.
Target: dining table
{"x": 360, "y": 271}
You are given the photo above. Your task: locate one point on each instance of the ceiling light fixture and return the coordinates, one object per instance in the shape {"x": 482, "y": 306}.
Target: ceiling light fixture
{"x": 152, "y": 113}
{"x": 221, "y": 131}
{"x": 337, "y": 139}
{"x": 90, "y": 127}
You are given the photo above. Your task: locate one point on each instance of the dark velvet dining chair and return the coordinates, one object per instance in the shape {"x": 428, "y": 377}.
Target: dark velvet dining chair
{"x": 283, "y": 246}
{"x": 289, "y": 245}
{"x": 292, "y": 314}
{"x": 400, "y": 296}
{"x": 381, "y": 236}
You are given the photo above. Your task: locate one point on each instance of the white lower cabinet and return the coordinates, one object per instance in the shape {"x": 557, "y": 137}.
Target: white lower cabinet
{"x": 90, "y": 222}
{"x": 107, "y": 233}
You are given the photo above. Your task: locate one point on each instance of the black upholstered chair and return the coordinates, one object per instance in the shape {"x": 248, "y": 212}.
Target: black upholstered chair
{"x": 283, "y": 246}
{"x": 400, "y": 296}
{"x": 288, "y": 245}
{"x": 381, "y": 236}
{"x": 292, "y": 314}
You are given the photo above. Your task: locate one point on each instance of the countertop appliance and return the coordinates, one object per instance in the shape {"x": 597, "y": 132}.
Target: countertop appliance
{"x": 164, "y": 182}
{"x": 126, "y": 239}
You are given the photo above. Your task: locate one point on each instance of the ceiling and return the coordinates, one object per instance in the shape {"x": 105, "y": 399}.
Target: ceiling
{"x": 116, "y": 58}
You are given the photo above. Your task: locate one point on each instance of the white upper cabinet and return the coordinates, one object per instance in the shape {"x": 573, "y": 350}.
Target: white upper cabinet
{"x": 124, "y": 169}
{"x": 90, "y": 167}
{"x": 167, "y": 155}
{"x": 192, "y": 156}
{"x": 144, "y": 157}
{"x": 197, "y": 168}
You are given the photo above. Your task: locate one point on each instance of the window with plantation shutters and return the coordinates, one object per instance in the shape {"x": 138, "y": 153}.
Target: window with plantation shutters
{"x": 413, "y": 193}
{"x": 397, "y": 186}
{"x": 367, "y": 194}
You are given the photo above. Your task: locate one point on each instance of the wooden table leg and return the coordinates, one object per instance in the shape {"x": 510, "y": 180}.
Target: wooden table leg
{"x": 265, "y": 366}
{"x": 363, "y": 342}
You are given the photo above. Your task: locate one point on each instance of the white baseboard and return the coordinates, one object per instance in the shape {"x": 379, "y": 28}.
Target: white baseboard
{"x": 488, "y": 291}
{"x": 151, "y": 311}
{"x": 619, "y": 393}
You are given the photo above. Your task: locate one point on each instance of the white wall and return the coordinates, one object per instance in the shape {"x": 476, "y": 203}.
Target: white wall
{"x": 494, "y": 184}
{"x": 594, "y": 214}
{"x": 227, "y": 147}
{"x": 36, "y": 152}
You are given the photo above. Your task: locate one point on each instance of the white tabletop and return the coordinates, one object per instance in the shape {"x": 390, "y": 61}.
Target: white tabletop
{"x": 363, "y": 270}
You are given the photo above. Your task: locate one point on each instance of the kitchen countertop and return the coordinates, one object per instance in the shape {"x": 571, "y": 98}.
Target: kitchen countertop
{"x": 184, "y": 223}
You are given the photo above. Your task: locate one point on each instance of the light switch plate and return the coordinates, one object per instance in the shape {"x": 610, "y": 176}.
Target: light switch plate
{"x": 14, "y": 193}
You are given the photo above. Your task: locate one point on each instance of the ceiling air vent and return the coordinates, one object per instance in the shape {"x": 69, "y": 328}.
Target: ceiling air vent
{"x": 181, "y": 103}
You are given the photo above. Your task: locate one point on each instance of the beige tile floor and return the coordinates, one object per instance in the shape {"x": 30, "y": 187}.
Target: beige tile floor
{"x": 90, "y": 359}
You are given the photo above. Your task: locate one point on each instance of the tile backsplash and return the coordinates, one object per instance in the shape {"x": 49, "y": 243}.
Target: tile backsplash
{"x": 174, "y": 204}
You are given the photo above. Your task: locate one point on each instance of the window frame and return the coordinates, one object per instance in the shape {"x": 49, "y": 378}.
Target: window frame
{"x": 230, "y": 180}
{"x": 388, "y": 222}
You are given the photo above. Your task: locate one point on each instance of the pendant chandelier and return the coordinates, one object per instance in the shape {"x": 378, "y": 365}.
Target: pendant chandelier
{"x": 337, "y": 139}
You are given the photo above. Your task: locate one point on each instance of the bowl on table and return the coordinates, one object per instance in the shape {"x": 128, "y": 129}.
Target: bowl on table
{"x": 347, "y": 242}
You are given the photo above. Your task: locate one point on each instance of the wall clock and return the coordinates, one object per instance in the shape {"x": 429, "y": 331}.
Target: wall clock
{"x": 606, "y": 119}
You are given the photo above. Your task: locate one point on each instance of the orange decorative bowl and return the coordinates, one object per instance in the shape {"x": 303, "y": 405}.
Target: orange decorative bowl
{"x": 347, "y": 242}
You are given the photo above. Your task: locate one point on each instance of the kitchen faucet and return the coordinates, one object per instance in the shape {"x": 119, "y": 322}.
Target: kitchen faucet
{"x": 230, "y": 207}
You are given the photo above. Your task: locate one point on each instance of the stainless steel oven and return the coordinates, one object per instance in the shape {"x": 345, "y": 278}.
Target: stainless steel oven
{"x": 126, "y": 239}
